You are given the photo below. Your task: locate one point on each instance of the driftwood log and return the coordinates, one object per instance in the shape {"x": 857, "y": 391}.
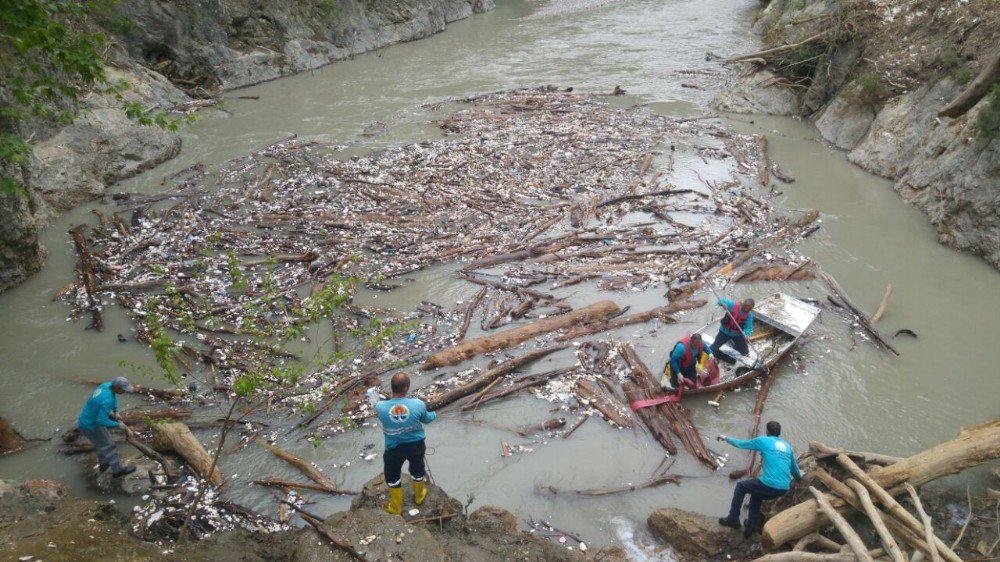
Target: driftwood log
{"x": 657, "y": 425}
{"x": 858, "y": 314}
{"x": 89, "y": 278}
{"x": 175, "y": 437}
{"x": 601, "y": 402}
{"x": 976, "y": 90}
{"x": 680, "y": 420}
{"x": 10, "y": 440}
{"x": 168, "y": 467}
{"x": 847, "y": 494}
{"x": 467, "y": 350}
{"x": 438, "y": 401}
{"x": 662, "y": 313}
{"x": 523, "y": 383}
{"x": 843, "y": 527}
{"x": 306, "y": 468}
{"x": 972, "y": 447}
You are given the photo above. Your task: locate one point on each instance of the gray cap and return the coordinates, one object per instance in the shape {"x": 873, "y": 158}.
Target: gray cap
{"x": 121, "y": 383}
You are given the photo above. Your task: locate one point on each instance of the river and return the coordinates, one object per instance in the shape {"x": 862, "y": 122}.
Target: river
{"x": 839, "y": 393}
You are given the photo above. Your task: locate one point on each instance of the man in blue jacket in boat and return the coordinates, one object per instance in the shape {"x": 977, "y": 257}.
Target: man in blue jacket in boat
{"x": 688, "y": 354}
{"x": 403, "y": 422}
{"x": 779, "y": 467}
{"x": 100, "y": 414}
{"x": 735, "y": 326}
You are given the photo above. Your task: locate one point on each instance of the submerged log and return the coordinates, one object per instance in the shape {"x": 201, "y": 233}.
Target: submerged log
{"x": 175, "y": 437}
{"x": 554, "y": 423}
{"x": 508, "y": 338}
{"x": 281, "y": 483}
{"x": 480, "y": 382}
{"x": 304, "y": 466}
{"x": 89, "y": 278}
{"x": 652, "y": 483}
{"x": 972, "y": 447}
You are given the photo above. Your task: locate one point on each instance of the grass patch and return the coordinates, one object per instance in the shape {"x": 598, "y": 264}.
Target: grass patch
{"x": 951, "y": 65}
{"x": 988, "y": 122}
{"x": 865, "y": 90}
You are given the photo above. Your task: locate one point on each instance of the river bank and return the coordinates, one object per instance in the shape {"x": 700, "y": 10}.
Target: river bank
{"x": 875, "y": 78}
{"x": 843, "y": 384}
{"x": 175, "y": 57}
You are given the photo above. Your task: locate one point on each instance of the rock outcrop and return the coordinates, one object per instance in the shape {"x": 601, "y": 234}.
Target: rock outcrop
{"x": 439, "y": 531}
{"x": 173, "y": 51}
{"x": 873, "y": 77}
{"x": 696, "y": 537}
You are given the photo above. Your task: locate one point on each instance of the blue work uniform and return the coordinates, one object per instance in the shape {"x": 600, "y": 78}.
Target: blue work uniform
{"x": 94, "y": 421}
{"x": 403, "y": 422}
{"x": 778, "y": 460}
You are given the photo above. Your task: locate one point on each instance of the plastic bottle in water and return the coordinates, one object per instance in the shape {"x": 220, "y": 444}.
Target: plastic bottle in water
{"x": 372, "y": 395}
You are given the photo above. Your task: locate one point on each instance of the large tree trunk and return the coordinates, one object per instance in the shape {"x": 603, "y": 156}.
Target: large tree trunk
{"x": 177, "y": 438}
{"x": 469, "y": 349}
{"x": 976, "y": 90}
{"x": 972, "y": 447}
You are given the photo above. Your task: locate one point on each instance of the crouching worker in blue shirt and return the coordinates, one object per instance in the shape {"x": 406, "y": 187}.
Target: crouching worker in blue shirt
{"x": 778, "y": 460}
{"x": 402, "y": 423}
{"x": 98, "y": 415}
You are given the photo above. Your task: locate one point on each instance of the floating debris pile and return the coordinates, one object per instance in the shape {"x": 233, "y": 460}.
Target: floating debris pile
{"x": 534, "y": 190}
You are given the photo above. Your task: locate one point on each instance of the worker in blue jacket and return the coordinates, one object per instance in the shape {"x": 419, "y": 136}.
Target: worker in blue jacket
{"x": 735, "y": 326}
{"x": 687, "y": 355}
{"x": 779, "y": 467}
{"x": 98, "y": 415}
{"x": 403, "y": 422}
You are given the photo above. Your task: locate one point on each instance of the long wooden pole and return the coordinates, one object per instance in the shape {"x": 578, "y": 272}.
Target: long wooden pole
{"x": 468, "y": 349}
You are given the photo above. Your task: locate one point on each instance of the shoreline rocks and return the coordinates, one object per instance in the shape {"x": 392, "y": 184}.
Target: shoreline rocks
{"x": 869, "y": 92}
{"x": 172, "y": 53}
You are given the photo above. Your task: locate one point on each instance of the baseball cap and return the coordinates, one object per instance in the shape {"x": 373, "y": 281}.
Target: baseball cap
{"x": 122, "y": 384}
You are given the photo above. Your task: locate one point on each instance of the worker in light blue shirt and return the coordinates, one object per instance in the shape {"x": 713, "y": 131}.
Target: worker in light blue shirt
{"x": 99, "y": 414}
{"x": 736, "y": 324}
{"x": 403, "y": 422}
{"x": 779, "y": 467}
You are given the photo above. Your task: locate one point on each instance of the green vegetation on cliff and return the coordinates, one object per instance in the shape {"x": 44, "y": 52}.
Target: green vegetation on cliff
{"x": 51, "y": 53}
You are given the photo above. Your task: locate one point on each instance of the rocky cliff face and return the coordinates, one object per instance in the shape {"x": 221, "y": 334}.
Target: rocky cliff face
{"x": 174, "y": 51}
{"x": 873, "y": 76}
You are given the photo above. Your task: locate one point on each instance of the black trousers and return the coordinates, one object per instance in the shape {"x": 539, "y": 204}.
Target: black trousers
{"x": 739, "y": 343}
{"x": 758, "y": 493}
{"x": 393, "y": 459}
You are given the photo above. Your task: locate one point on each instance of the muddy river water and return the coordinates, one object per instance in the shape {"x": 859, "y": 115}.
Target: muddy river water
{"x": 840, "y": 393}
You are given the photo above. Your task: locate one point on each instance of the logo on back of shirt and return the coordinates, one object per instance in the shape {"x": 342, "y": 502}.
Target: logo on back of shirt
{"x": 399, "y": 413}
{"x": 780, "y": 446}
{"x": 96, "y": 393}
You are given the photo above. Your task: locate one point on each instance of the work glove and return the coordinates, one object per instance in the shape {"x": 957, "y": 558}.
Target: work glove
{"x": 720, "y": 438}
{"x": 113, "y": 415}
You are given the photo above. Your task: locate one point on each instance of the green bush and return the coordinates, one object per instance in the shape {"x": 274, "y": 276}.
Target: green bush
{"x": 865, "y": 90}
{"x": 50, "y": 53}
{"x": 988, "y": 122}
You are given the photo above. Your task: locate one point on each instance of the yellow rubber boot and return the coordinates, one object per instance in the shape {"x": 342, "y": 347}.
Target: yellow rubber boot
{"x": 419, "y": 492}
{"x": 395, "y": 506}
